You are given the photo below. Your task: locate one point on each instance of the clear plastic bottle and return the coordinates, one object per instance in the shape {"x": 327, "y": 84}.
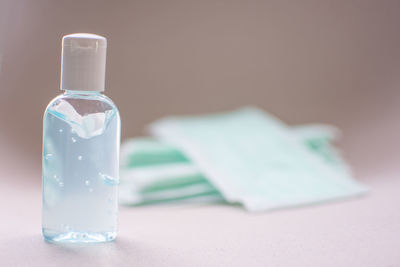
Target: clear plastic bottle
{"x": 81, "y": 137}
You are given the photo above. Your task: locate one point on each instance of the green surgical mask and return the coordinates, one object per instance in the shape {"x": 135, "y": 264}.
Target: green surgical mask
{"x": 254, "y": 159}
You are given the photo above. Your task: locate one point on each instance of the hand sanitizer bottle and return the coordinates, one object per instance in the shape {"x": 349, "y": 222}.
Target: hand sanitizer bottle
{"x": 81, "y": 137}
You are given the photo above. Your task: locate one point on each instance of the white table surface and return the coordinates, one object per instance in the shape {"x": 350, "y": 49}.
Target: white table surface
{"x": 363, "y": 231}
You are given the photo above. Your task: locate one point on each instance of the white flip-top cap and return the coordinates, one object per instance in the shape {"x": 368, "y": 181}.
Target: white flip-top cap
{"x": 83, "y": 66}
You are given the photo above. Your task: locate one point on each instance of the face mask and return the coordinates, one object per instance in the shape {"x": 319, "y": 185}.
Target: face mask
{"x": 254, "y": 159}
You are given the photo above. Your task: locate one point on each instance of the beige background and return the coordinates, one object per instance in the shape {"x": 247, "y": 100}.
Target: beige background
{"x": 305, "y": 61}
{"x": 334, "y": 62}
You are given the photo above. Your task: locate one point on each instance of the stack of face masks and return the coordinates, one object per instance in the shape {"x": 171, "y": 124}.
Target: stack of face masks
{"x": 242, "y": 157}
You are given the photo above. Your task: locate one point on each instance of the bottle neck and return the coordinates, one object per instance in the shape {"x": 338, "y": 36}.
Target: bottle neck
{"x": 76, "y": 92}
